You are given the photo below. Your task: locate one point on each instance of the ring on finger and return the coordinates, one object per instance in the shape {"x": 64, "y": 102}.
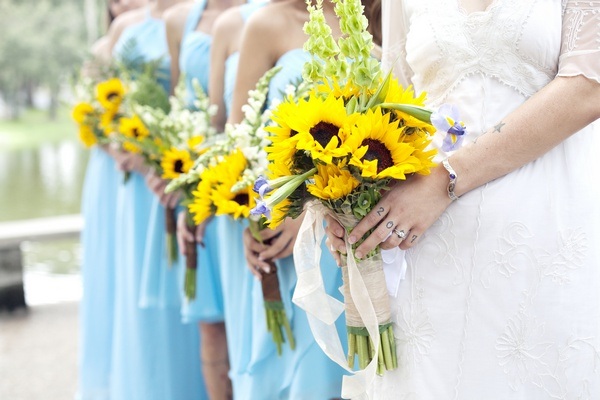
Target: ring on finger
{"x": 400, "y": 233}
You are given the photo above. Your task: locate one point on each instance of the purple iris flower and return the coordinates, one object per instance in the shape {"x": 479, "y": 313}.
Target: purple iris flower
{"x": 447, "y": 119}
{"x": 261, "y": 209}
{"x": 261, "y": 186}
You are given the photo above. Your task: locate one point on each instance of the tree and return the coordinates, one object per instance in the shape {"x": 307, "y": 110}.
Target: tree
{"x": 42, "y": 43}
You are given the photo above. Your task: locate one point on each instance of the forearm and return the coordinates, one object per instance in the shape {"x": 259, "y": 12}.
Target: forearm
{"x": 562, "y": 108}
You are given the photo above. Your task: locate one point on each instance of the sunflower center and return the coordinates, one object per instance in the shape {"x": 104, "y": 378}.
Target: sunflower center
{"x": 112, "y": 96}
{"x": 322, "y": 132}
{"x": 178, "y": 166}
{"x": 135, "y": 132}
{"x": 378, "y": 151}
{"x": 242, "y": 199}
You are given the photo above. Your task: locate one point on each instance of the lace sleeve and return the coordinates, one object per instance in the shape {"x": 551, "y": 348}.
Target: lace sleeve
{"x": 394, "y": 29}
{"x": 580, "y": 52}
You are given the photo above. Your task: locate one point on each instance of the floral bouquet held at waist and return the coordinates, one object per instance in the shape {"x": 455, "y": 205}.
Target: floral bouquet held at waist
{"x": 357, "y": 133}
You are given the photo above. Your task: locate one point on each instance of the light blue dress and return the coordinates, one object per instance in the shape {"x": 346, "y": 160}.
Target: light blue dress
{"x": 306, "y": 372}
{"x": 194, "y": 64}
{"x": 96, "y": 309}
{"x": 155, "y": 356}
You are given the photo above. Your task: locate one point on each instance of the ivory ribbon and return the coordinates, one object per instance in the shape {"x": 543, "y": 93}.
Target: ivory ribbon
{"x": 322, "y": 310}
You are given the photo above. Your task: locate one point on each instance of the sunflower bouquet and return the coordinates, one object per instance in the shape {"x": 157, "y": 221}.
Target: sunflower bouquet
{"x": 223, "y": 180}
{"x": 169, "y": 137}
{"x": 97, "y": 108}
{"x": 358, "y": 132}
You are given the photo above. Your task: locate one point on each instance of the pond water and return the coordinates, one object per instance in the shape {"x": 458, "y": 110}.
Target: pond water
{"x": 39, "y": 182}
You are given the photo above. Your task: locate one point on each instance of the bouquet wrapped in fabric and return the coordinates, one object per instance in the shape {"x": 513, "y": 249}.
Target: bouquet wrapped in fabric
{"x": 358, "y": 132}
{"x": 169, "y": 136}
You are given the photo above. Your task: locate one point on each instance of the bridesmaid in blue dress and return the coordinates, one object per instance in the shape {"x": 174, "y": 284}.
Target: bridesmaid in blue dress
{"x": 274, "y": 36}
{"x": 189, "y": 36}
{"x": 99, "y": 200}
{"x": 154, "y": 355}
{"x": 236, "y": 279}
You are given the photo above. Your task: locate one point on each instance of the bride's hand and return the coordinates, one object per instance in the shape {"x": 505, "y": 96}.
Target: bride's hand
{"x": 404, "y": 213}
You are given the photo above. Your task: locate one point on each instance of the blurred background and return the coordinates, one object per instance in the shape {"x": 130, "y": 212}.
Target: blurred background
{"x": 42, "y": 167}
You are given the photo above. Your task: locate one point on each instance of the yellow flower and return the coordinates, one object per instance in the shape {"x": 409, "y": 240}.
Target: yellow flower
{"x": 107, "y": 120}
{"x": 132, "y": 147}
{"x": 237, "y": 204}
{"x": 86, "y": 134}
{"x": 279, "y": 213}
{"x": 175, "y": 162}
{"x": 320, "y": 125}
{"x": 397, "y": 94}
{"x": 378, "y": 149}
{"x": 110, "y": 93}
{"x": 283, "y": 138}
{"x": 133, "y": 128}
{"x": 346, "y": 92}
{"x": 332, "y": 182}
{"x": 82, "y": 111}
{"x": 194, "y": 143}
{"x": 201, "y": 207}
{"x": 214, "y": 195}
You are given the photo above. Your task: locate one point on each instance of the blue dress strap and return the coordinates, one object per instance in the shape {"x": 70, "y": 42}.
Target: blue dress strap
{"x": 194, "y": 16}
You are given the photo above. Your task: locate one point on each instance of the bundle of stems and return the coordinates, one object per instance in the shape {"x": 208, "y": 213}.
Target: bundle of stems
{"x": 191, "y": 259}
{"x": 171, "y": 226}
{"x": 277, "y": 321}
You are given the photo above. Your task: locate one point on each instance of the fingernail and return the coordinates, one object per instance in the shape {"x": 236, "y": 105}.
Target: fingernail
{"x": 267, "y": 270}
{"x": 260, "y": 257}
{"x": 358, "y": 255}
{"x": 342, "y": 250}
{"x": 332, "y": 248}
{"x": 352, "y": 239}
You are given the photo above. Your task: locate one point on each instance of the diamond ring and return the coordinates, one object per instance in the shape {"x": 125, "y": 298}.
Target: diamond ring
{"x": 400, "y": 233}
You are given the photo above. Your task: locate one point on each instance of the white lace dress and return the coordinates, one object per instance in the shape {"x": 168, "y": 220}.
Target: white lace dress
{"x": 502, "y": 295}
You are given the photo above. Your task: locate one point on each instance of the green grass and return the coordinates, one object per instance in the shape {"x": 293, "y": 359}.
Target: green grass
{"x": 34, "y": 127}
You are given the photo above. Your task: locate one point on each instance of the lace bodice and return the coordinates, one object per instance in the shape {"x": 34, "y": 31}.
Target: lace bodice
{"x": 514, "y": 42}
{"x": 489, "y": 62}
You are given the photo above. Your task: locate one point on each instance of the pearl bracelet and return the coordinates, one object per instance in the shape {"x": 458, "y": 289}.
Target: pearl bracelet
{"x": 452, "y": 183}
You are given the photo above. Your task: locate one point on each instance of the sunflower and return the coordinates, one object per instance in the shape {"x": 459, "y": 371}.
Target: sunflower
{"x": 110, "y": 93}
{"x": 283, "y": 138}
{"x": 332, "y": 182}
{"x": 194, "y": 143}
{"x": 106, "y": 122}
{"x": 82, "y": 111}
{"x": 345, "y": 92}
{"x": 175, "y": 162}
{"x": 279, "y": 213}
{"x": 397, "y": 94}
{"x": 320, "y": 125}
{"x": 202, "y": 207}
{"x": 230, "y": 171}
{"x": 133, "y": 128}
{"x": 86, "y": 135}
{"x": 378, "y": 150}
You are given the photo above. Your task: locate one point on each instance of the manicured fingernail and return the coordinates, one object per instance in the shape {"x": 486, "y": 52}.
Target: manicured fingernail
{"x": 332, "y": 248}
{"x": 267, "y": 270}
{"x": 358, "y": 255}
{"x": 352, "y": 239}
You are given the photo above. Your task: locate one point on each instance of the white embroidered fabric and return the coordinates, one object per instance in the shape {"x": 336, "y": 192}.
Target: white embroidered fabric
{"x": 502, "y": 295}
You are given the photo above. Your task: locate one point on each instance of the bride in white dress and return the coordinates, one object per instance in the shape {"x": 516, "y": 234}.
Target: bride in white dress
{"x": 502, "y": 294}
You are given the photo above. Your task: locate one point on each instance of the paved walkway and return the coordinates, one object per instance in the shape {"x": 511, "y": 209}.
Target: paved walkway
{"x": 38, "y": 353}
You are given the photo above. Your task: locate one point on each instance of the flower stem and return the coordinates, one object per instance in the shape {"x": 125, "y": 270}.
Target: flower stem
{"x": 351, "y": 349}
{"x": 386, "y": 350}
